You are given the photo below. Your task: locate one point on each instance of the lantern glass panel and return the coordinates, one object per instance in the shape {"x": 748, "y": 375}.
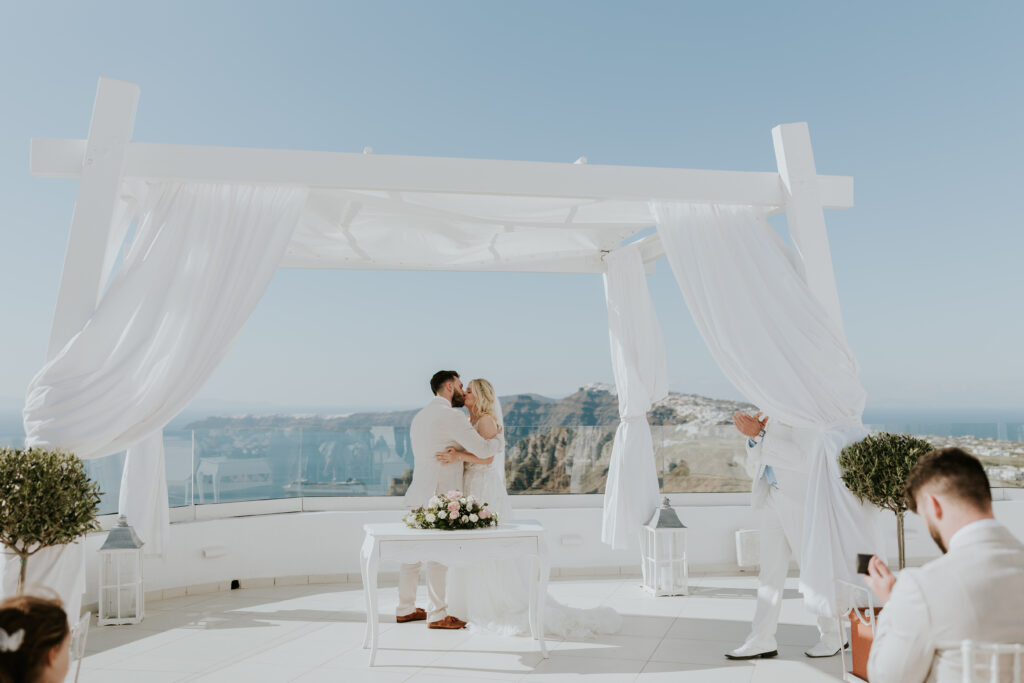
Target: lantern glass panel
{"x": 129, "y": 605}
{"x": 120, "y": 587}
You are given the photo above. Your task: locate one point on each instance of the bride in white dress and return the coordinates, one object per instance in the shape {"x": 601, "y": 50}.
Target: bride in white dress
{"x": 494, "y": 594}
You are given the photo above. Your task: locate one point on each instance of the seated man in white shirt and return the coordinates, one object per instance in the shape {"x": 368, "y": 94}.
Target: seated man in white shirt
{"x": 974, "y": 591}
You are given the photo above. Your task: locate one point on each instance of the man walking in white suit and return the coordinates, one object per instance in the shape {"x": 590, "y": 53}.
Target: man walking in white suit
{"x": 439, "y": 425}
{"x": 782, "y": 456}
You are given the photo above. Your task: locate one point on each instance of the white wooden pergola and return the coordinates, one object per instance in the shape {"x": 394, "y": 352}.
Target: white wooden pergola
{"x": 384, "y": 212}
{"x": 109, "y": 157}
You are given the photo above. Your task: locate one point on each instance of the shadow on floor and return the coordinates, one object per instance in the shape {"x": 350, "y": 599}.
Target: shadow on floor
{"x": 723, "y": 592}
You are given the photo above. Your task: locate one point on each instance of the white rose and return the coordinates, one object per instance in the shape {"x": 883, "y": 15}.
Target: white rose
{"x": 434, "y": 502}
{"x": 462, "y": 500}
{"x": 432, "y": 518}
{"x": 474, "y": 519}
{"x": 442, "y": 515}
{"x": 471, "y": 499}
{"x": 464, "y": 519}
{"x": 455, "y": 515}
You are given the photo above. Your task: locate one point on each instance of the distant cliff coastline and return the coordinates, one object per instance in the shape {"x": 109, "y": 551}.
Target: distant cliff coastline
{"x": 591, "y": 405}
{"x": 554, "y": 445}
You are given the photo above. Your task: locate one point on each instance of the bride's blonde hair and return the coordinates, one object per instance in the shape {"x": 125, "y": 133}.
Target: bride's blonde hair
{"x": 484, "y": 393}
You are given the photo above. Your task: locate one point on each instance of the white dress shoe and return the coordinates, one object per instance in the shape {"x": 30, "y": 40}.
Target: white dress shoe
{"x": 826, "y": 648}
{"x": 753, "y": 650}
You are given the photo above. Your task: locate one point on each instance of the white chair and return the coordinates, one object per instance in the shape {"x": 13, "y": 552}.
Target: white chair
{"x": 841, "y": 620}
{"x": 988, "y": 662}
{"x": 79, "y": 634}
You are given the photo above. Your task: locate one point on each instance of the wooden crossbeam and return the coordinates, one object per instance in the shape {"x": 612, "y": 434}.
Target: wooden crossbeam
{"x": 55, "y": 158}
{"x": 100, "y": 169}
{"x": 804, "y": 214}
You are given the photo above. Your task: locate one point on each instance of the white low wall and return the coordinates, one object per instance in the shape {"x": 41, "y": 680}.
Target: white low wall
{"x": 324, "y": 546}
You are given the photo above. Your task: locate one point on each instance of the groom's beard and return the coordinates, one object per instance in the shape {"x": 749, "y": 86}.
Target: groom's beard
{"x": 458, "y": 399}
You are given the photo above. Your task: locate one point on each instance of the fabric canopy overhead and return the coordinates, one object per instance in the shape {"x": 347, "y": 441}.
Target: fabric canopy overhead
{"x": 439, "y": 231}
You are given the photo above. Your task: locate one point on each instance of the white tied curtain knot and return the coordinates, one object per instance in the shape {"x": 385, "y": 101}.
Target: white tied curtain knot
{"x": 781, "y": 349}
{"x": 641, "y": 378}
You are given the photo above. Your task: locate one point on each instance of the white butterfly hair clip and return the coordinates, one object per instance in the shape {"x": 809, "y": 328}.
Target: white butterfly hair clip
{"x": 11, "y": 642}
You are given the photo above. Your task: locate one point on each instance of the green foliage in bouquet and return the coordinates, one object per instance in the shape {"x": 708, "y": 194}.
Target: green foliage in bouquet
{"x": 46, "y": 499}
{"x": 875, "y": 469}
{"x": 451, "y": 511}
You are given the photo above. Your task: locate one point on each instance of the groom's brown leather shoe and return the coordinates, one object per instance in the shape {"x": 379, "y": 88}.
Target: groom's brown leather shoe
{"x": 448, "y": 622}
{"x": 419, "y": 614}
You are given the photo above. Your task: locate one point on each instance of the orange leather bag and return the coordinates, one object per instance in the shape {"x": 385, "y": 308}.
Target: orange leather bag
{"x": 861, "y": 638}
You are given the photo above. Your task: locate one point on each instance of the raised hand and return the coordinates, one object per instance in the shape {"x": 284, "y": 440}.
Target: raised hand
{"x": 749, "y": 425}
{"x": 880, "y": 579}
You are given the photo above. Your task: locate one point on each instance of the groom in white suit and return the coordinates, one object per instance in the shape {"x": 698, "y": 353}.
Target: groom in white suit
{"x": 782, "y": 457}
{"x": 439, "y": 425}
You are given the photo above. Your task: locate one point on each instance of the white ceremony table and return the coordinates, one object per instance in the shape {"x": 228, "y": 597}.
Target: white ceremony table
{"x": 396, "y": 543}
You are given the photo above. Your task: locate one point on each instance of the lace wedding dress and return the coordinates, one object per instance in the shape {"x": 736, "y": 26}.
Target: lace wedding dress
{"x": 494, "y": 595}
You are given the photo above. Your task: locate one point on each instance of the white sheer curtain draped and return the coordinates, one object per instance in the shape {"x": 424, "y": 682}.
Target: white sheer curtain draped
{"x": 641, "y": 378}
{"x": 777, "y": 344}
{"x": 201, "y": 258}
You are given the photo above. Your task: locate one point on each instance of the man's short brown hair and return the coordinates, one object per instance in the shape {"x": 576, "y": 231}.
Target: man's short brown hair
{"x": 440, "y": 377}
{"x": 953, "y": 472}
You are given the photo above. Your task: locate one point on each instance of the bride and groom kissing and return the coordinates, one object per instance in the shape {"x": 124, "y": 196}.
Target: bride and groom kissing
{"x": 451, "y": 452}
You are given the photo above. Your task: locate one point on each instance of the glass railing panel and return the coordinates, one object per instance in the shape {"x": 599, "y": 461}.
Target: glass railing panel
{"x": 548, "y": 460}
{"x": 700, "y": 459}
{"x": 234, "y": 465}
{"x": 180, "y": 467}
{"x": 999, "y": 445}
{"x": 106, "y": 471}
{"x": 240, "y": 464}
{"x": 370, "y": 461}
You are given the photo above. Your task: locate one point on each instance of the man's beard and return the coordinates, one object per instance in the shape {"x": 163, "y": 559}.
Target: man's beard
{"x": 458, "y": 399}
{"x": 937, "y": 537}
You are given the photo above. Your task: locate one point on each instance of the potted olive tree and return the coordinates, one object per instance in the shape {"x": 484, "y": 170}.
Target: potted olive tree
{"x": 46, "y": 499}
{"x": 875, "y": 469}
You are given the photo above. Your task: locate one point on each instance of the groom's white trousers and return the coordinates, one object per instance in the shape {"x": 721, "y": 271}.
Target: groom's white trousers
{"x": 781, "y": 530}
{"x": 408, "y": 581}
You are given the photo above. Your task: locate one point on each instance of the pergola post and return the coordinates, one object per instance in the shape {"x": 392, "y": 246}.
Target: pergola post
{"x": 805, "y": 213}
{"x": 110, "y": 131}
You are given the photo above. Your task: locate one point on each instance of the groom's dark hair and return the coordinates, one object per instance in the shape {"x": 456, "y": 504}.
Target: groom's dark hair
{"x": 440, "y": 377}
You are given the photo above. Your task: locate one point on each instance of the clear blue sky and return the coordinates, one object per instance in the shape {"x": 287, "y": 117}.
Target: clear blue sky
{"x": 920, "y": 102}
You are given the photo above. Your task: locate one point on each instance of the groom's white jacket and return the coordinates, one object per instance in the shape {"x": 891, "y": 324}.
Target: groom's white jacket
{"x": 433, "y": 429}
{"x": 783, "y": 448}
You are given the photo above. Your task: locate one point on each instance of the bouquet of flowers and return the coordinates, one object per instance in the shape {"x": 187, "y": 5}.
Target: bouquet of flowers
{"x": 451, "y": 511}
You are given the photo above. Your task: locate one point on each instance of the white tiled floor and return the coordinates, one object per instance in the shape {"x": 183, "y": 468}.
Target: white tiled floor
{"x": 314, "y": 633}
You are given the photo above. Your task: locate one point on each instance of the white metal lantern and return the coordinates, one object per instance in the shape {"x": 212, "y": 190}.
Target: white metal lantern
{"x": 663, "y": 545}
{"x": 121, "y": 595}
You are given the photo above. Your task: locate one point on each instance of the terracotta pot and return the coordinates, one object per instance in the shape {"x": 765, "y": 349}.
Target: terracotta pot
{"x": 861, "y": 638}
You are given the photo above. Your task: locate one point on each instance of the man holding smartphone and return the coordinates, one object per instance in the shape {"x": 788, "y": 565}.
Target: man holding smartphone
{"x": 974, "y": 591}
